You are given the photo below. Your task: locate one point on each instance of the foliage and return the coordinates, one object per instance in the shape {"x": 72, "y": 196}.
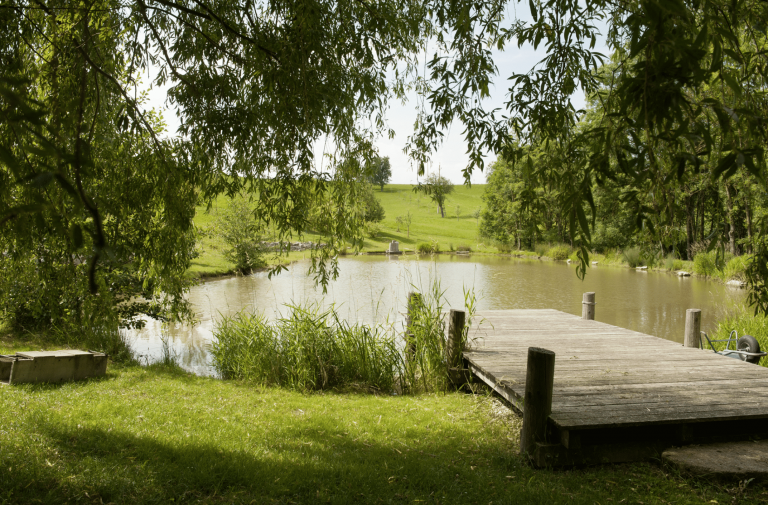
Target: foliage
{"x": 706, "y": 263}
{"x": 242, "y": 235}
{"x": 309, "y": 349}
{"x": 437, "y": 188}
{"x": 675, "y": 121}
{"x": 633, "y": 256}
{"x": 87, "y": 172}
{"x": 428, "y": 247}
{"x": 373, "y": 211}
{"x": 559, "y": 252}
{"x": 672, "y": 263}
{"x": 374, "y": 230}
{"x": 314, "y": 349}
{"x": 379, "y": 171}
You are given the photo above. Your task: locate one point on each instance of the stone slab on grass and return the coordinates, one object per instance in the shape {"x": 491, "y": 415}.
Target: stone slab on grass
{"x": 730, "y": 459}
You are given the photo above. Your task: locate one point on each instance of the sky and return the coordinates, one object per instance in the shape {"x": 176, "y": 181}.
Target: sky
{"x": 451, "y": 157}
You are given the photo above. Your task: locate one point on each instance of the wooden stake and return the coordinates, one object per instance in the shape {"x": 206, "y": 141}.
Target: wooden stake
{"x": 693, "y": 328}
{"x": 455, "y": 348}
{"x": 455, "y": 337}
{"x": 588, "y": 306}
{"x": 537, "y": 404}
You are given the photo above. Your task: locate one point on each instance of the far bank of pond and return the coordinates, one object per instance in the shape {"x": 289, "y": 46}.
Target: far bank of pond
{"x": 373, "y": 289}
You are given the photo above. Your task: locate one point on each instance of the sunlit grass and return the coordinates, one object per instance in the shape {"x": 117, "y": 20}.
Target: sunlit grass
{"x": 156, "y": 435}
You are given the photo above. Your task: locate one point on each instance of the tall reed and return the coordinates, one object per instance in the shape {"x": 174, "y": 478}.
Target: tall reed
{"x": 307, "y": 350}
{"x": 312, "y": 348}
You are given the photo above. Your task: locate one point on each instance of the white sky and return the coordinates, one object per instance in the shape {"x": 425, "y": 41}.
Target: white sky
{"x": 451, "y": 157}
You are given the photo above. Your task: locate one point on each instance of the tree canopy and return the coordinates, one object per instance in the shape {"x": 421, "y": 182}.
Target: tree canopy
{"x": 93, "y": 190}
{"x": 437, "y": 188}
{"x": 379, "y": 171}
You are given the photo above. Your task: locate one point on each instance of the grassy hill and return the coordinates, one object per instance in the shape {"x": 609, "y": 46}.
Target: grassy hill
{"x": 397, "y": 200}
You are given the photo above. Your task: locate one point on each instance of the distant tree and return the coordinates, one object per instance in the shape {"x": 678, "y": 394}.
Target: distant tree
{"x": 458, "y": 212}
{"x": 379, "y": 171}
{"x": 373, "y": 211}
{"x": 437, "y": 188}
{"x": 407, "y": 220}
{"x": 476, "y": 215}
{"x": 242, "y": 234}
{"x": 399, "y": 221}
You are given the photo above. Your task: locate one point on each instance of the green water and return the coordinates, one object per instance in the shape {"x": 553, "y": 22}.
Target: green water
{"x": 374, "y": 289}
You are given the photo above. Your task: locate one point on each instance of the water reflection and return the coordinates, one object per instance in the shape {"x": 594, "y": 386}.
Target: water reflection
{"x": 374, "y": 288}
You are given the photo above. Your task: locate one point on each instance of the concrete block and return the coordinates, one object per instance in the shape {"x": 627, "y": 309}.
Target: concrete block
{"x": 54, "y": 366}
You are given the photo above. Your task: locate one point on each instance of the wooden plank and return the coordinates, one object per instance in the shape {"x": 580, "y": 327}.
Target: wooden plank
{"x": 607, "y": 376}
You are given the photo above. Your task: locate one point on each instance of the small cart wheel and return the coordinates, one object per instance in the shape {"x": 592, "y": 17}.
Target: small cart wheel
{"x": 749, "y": 343}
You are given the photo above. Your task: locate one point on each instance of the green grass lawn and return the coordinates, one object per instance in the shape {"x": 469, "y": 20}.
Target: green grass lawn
{"x": 397, "y": 200}
{"x": 159, "y": 435}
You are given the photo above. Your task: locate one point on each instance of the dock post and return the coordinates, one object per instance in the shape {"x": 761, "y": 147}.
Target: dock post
{"x": 455, "y": 346}
{"x": 693, "y": 328}
{"x": 537, "y": 404}
{"x": 588, "y": 306}
{"x": 414, "y": 300}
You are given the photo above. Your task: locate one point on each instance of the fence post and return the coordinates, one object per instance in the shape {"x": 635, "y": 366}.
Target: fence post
{"x": 588, "y": 306}
{"x": 537, "y": 404}
{"x": 693, "y": 328}
{"x": 455, "y": 346}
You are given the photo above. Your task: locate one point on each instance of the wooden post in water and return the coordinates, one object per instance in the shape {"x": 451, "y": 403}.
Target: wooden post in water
{"x": 693, "y": 328}
{"x": 537, "y": 404}
{"x": 588, "y": 306}
{"x": 455, "y": 346}
{"x": 414, "y": 300}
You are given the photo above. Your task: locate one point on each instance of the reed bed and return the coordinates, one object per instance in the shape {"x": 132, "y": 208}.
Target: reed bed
{"x": 316, "y": 349}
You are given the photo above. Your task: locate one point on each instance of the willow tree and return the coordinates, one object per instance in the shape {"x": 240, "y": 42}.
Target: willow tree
{"x": 86, "y": 175}
{"x": 97, "y": 202}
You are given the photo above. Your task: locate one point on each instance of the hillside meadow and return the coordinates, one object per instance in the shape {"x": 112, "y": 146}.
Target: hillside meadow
{"x": 427, "y": 226}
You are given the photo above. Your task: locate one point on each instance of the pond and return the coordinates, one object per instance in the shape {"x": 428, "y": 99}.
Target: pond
{"x": 373, "y": 289}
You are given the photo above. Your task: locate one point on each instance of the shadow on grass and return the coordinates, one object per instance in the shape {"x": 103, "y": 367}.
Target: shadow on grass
{"x": 308, "y": 465}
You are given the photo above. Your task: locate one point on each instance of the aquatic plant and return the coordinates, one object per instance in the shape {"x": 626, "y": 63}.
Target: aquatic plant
{"x": 313, "y": 348}
{"x": 309, "y": 349}
{"x": 633, "y": 257}
{"x": 559, "y": 252}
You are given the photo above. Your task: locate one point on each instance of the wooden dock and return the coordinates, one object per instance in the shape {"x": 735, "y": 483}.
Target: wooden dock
{"x": 618, "y": 395}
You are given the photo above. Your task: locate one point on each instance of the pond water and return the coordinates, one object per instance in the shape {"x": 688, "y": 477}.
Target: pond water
{"x": 374, "y": 289}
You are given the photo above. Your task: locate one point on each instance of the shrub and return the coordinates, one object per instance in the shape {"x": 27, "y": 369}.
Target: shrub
{"x": 632, "y": 256}
{"x": 541, "y": 249}
{"x": 735, "y": 269}
{"x": 705, "y": 263}
{"x": 672, "y": 263}
{"x": 373, "y": 230}
{"x": 242, "y": 234}
{"x": 424, "y": 248}
{"x": 428, "y": 247}
{"x": 559, "y": 252}
{"x": 503, "y": 247}
{"x": 464, "y": 248}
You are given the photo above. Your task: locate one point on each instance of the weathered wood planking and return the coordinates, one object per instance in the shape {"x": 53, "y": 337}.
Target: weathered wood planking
{"x": 610, "y": 378}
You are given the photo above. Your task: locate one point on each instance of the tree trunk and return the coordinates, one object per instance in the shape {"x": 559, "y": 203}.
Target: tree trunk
{"x": 748, "y": 211}
{"x": 731, "y": 224}
{"x": 689, "y": 224}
